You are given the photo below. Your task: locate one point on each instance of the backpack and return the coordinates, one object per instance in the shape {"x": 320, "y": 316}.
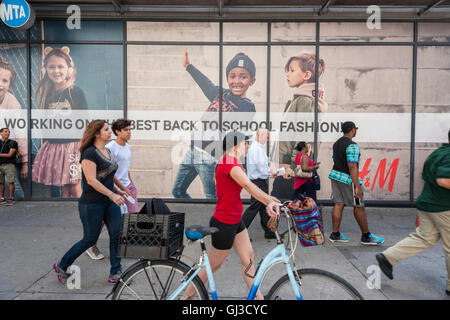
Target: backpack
{"x": 17, "y": 158}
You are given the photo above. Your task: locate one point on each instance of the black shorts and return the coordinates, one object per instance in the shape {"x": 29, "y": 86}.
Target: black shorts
{"x": 224, "y": 239}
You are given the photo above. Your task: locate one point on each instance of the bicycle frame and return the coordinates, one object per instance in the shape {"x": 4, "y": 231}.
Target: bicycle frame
{"x": 275, "y": 256}
{"x": 204, "y": 263}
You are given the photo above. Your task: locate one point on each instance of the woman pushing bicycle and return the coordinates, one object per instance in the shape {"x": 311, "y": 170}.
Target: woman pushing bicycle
{"x": 230, "y": 179}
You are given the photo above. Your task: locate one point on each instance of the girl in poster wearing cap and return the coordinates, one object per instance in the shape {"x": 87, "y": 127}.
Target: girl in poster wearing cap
{"x": 201, "y": 158}
{"x": 301, "y": 75}
{"x": 230, "y": 180}
{"x": 57, "y": 162}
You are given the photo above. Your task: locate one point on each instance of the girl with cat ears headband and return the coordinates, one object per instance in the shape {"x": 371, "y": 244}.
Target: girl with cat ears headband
{"x": 46, "y": 83}
{"x": 64, "y": 53}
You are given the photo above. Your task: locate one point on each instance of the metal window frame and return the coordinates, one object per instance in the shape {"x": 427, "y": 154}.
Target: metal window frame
{"x": 414, "y": 44}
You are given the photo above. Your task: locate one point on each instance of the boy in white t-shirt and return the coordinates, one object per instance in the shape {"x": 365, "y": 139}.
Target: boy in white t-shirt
{"x": 121, "y": 153}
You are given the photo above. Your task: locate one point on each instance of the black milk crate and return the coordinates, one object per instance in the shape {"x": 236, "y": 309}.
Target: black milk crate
{"x": 151, "y": 236}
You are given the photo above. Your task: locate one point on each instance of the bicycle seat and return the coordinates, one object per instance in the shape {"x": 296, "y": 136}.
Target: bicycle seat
{"x": 199, "y": 232}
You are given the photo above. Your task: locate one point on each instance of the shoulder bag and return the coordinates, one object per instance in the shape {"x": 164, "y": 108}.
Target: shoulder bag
{"x": 299, "y": 173}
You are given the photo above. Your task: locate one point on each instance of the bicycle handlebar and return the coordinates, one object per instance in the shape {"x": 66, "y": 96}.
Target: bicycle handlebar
{"x": 283, "y": 207}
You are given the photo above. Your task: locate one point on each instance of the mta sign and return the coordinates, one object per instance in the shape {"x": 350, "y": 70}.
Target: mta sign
{"x": 17, "y": 14}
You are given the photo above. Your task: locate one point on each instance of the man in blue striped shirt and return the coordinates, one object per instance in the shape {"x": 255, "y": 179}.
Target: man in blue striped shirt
{"x": 347, "y": 188}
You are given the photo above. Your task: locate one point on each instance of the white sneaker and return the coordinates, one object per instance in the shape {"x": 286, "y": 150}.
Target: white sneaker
{"x": 94, "y": 253}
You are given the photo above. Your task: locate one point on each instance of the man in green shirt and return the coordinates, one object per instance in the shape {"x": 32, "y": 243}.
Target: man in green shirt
{"x": 434, "y": 215}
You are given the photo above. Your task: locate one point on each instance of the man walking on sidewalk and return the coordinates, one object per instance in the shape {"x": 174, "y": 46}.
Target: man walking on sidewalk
{"x": 434, "y": 215}
{"x": 258, "y": 171}
{"x": 347, "y": 188}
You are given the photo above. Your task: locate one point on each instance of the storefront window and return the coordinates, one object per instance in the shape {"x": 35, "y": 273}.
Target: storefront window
{"x": 434, "y": 31}
{"x": 293, "y": 32}
{"x": 77, "y": 84}
{"x": 291, "y": 121}
{"x": 13, "y": 105}
{"x": 175, "y": 119}
{"x": 361, "y": 32}
{"x": 370, "y": 86}
{"x": 245, "y": 32}
{"x": 57, "y": 30}
{"x": 11, "y": 34}
{"x": 172, "y": 31}
{"x": 433, "y": 107}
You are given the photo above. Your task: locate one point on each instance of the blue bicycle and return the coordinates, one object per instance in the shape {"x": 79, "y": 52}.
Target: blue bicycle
{"x": 168, "y": 279}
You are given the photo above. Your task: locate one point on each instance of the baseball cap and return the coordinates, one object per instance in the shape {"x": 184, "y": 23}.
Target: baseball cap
{"x": 347, "y": 126}
{"x": 233, "y": 138}
{"x": 241, "y": 60}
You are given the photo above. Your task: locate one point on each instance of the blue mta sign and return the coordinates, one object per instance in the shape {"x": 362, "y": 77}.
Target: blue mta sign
{"x": 17, "y": 14}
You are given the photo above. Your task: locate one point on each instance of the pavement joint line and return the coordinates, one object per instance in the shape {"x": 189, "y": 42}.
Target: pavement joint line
{"x": 362, "y": 273}
{"x": 39, "y": 279}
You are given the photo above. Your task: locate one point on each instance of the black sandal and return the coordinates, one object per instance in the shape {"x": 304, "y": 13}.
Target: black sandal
{"x": 9, "y": 202}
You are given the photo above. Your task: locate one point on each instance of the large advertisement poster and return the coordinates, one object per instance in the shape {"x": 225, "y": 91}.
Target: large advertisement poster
{"x": 71, "y": 84}
{"x": 189, "y": 83}
{"x": 174, "y": 98}
{"x": 433, "y": 99}
{"x": 13, "y": 101}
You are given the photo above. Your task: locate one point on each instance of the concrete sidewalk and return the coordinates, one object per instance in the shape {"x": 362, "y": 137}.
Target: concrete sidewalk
{"x": 33, "y": 235}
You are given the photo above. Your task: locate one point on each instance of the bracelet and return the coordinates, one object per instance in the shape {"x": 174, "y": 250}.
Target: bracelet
{"x": 110, "y": 195}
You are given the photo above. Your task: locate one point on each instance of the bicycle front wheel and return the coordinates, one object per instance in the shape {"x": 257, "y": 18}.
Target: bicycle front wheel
{"x": 156, "y": 280}
{"x": 314, "y": 284}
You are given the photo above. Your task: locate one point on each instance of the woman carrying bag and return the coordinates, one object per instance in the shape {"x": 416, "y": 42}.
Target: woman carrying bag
{"x": 304, "y": 171}
{"x": 98, "y": 201}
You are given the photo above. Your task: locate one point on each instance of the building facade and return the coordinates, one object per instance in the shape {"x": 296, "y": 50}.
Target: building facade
{"x": 392, "y": 82}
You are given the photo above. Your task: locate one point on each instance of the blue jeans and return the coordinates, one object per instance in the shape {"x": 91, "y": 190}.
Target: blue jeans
{"x": 195, "y": 162}
{"x": 92, "y": 215}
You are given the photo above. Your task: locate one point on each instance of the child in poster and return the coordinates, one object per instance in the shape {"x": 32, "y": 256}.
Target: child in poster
{"x": 201, "y": 158}
{"x": 57, "y": 161}
{"x": 8, "y": 101}
{"x": 300, "y": 74}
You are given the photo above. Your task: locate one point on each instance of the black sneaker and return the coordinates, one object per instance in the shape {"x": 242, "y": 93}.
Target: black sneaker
{"x": 340, "y": 238}
{"x": 447, "y": 292}
{"x": 385, "y": 266}
{"x": 371, "y": 240}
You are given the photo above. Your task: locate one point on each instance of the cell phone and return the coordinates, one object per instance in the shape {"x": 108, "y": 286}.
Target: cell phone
{"x": 281, "y": 171}
{"x": 130, "y": 199}
{"x": 356, "y": 201}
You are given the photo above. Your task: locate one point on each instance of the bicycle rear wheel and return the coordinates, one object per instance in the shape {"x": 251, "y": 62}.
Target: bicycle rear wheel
{"x": 156, "y": 280}
{"x": 315, "y": 284}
